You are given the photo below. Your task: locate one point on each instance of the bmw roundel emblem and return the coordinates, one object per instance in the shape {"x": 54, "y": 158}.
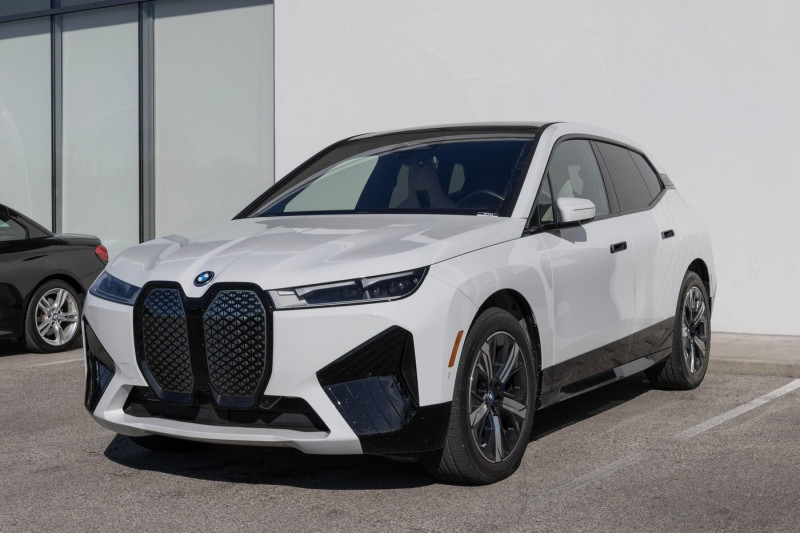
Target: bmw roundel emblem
{"x": 203, "y": 278}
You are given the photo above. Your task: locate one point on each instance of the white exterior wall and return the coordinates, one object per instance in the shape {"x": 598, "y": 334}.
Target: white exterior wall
{"x": 711, "y": 88}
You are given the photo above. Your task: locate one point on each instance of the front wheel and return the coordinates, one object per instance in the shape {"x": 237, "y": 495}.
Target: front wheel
{"x": 686, "y": 366}
{"x": 493, "y": 404}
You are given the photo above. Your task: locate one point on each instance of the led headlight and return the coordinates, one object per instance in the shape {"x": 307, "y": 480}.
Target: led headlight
{"x": 110, "y": 288}
{"x": 362, "y": 290}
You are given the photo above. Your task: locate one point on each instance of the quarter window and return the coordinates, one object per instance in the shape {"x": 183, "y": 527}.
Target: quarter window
{"x": 632, "y": 191}
{"x": 649, "y": 175}
{"x": 10, "y": 230}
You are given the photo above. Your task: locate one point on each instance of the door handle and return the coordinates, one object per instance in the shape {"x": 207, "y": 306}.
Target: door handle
{"x": 667, "y": 234}
{"x": 620, "y": 246}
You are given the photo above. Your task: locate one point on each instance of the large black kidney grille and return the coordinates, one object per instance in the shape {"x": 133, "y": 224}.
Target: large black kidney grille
{"x": 165, "y": 341}
{"x": 217, "y": 344}
{"x": 235, "y": 327}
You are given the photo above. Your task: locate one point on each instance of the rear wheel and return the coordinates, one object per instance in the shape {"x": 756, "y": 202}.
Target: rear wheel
{"x": 52, "y": 321}
{"x": 493, "y": 403}
{"x": 686, "y": 366}
{"x": 168, "y": 444}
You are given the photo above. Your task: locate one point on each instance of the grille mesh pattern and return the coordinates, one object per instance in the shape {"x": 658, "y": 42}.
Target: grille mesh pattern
{"x": 236, "y": 342}
{"x": 165, "y": 340}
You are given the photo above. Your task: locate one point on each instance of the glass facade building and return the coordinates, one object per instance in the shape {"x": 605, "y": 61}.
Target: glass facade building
{"x": 130, "y": 120}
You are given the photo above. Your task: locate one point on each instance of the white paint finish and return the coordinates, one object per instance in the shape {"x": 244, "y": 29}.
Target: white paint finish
{"x": 593, "y": 289}
{"x": 740, "y": 410}
{"x": 581, "y": 295}
{"x": 295, "y": 251}
{"x": 213, "y": 110}
{"x": 710, "y": 87}
{"x": 25, "y": 175}
{"x": 100, "y": 183}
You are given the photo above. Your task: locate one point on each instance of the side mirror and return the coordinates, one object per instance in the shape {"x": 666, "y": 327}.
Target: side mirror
{"x": 575, "y": 209}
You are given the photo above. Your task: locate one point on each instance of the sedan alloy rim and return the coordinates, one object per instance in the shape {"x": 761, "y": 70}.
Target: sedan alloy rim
{"x": 694, "y": 330}
{"x": 57, "y": 317}
{"x": 498, "y": 396}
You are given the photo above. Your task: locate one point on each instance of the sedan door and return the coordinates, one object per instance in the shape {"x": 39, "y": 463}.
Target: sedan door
{"x": 592, "y": 268}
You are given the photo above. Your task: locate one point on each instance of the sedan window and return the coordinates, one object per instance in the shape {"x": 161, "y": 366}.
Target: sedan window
{"x": 10, "y": 230}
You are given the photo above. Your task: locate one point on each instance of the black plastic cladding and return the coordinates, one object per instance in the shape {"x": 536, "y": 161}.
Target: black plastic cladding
{"x": 195, "y": 310}
{"x": 374, "y": 388}
{"x": 100, "y": 368}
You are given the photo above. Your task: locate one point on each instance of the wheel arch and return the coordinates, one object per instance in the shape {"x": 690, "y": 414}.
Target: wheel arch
{"x": 699, "y": 267}
{"x": 72, "y": 282}
{"x": 516, "y": 304}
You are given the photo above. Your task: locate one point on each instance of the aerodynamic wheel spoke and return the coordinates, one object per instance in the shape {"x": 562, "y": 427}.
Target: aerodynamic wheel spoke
{"x": 700, "y": 316}
{"x": 700, "y": 345}
{"x": 485, "y": 364}
{"x": 498, "y": 438}
{"x": 514, "y": 408}
{"x": 43, "y": 327}
{"x": 477, "y": 416}
{"x": 510, "y": 366}
{"x": 43, "y": 306}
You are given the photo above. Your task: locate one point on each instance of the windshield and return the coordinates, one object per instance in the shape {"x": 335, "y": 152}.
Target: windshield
{"x": 458, "y": 176}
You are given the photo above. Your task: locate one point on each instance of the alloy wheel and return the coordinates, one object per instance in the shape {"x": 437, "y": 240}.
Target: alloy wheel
{"x": 57, "y": 317}
{"x": 694, "y": 330}
{"x": 498, "y": 396}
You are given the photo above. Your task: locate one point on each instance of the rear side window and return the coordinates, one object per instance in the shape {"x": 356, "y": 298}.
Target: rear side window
{"x": 632, "y": 191}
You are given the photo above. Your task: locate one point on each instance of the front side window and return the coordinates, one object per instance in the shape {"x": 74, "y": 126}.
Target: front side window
{"x": 11, "y": 230}
{"x": 458, "y": 176}
{"x": 573, "y": 173}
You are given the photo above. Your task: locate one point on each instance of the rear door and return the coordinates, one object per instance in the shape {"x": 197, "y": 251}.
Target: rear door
{"x": 592, "y": 268}
{"x": 651, "y": 229}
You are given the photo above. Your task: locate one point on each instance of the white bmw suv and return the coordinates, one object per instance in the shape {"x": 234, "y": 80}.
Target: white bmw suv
{"x": 416, "y": 293}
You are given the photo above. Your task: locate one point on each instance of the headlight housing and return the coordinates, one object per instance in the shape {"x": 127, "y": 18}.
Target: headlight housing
{"x": 108, "y": 287}
{"x": 356, "y": 291}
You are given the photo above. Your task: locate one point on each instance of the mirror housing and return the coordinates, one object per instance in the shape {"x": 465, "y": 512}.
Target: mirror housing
{"x": 575, "y": 209}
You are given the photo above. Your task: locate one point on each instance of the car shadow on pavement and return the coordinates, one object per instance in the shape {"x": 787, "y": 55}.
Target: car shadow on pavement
{"x": 574, "y": 410}
{"x": 8, "y": 348}
{"x": 286, "y": 466}
{"x": 273, "y": 466}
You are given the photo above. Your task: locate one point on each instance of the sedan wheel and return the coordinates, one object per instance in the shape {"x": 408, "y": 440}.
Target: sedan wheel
{"x": 53, "y": 319}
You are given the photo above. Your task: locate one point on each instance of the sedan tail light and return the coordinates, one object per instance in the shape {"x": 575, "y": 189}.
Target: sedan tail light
{"x": 101, "y": 253}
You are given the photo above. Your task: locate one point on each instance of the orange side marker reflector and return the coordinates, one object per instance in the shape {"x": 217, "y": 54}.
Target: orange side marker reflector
{"x": 455, "y": 349}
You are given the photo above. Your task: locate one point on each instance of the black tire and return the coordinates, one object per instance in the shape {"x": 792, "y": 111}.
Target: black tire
{"x": 168, "y": 444}
{"x": 686, "y": 366}
{"x": 464, "y": 459}
{"x": 41, "y": 335}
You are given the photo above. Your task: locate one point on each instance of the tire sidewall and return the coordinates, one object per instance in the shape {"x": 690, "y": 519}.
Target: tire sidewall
{"x": 32, "y": 337}
{"x": 492, "y": 321}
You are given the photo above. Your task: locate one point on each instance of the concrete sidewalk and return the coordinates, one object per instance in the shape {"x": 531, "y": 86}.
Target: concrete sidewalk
{"x": 761, "y": 355}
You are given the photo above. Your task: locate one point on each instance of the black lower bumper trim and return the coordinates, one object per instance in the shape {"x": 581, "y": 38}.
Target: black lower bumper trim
{"x": 275, "y": 413}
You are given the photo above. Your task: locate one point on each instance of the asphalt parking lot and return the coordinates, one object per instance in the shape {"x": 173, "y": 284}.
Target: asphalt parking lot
{"x": 623, "y": 458}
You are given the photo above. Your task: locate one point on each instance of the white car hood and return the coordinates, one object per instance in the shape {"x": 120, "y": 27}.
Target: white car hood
{"x": 283, "y": 252}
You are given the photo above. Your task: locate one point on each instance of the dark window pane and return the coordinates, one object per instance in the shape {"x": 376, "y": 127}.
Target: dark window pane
{"x": 543, "y": 212}
{"x": 649, "y": 175}
{"x": 574, "y": 173}
{"x": 466, "y": 176}
{"x": 10, "y": 230}
{"x": 632, "y": 192}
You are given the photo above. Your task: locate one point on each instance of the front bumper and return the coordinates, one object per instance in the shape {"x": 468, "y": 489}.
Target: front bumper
{"x": 360, "y": 410}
